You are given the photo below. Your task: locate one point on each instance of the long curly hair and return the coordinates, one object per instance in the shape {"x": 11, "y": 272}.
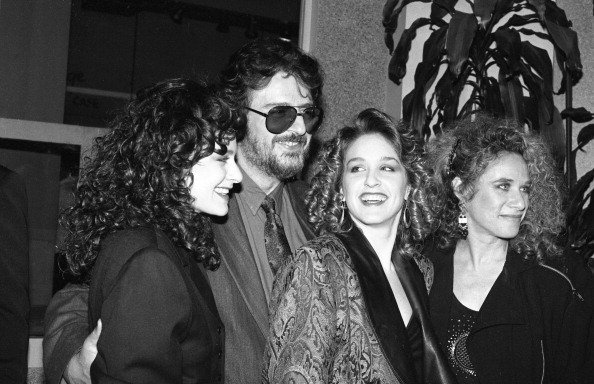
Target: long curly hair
{"x": 139, "y": 173}
{"x": 253, "y": 65}
{"x": 465, "y": 150}
{"x": 323, "y": 199}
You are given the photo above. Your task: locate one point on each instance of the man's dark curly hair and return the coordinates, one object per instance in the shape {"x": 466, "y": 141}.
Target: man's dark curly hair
{"x": 465, "y": 150}
{"x": 253, "y": 65}
{"x": 138, "y": 173}
{"x": 324, "y": 198}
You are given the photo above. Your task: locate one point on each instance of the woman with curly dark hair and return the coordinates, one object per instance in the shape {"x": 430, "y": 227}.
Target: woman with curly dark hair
{"x": 501, "y": 314}
{"x": 351, "y": 306}
{"x": 139, "y": 231}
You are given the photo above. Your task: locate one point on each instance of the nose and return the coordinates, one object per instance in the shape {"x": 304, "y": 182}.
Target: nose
{"x": 298, "y": 126}
{"x": 518, "y": 200}
{"x": 371, "y": 179}
{"x": 234, "y": 173}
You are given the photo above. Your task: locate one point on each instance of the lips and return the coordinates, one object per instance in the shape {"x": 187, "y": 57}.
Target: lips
{"x": 222, "y": 191}
{"x": 512, "y": 217}
{"x": 290, "y": 141}
{"x": 373, "y": 198}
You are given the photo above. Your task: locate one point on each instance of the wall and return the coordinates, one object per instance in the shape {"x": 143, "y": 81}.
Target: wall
{"x": 34, "y": 51}
{"x": 347, "y": 38}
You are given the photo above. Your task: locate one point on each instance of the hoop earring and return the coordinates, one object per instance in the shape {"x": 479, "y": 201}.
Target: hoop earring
{"x": 406, "y": 216}
{"x": 462, "y": 224}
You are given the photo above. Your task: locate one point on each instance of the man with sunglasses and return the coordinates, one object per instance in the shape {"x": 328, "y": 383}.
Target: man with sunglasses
{"x": 277, "y": 91}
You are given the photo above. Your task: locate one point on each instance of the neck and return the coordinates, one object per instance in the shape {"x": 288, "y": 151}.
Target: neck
{"x": 482, "y": 250}
{"x": 264, "y": 181}
{"x": 382, "y": 240}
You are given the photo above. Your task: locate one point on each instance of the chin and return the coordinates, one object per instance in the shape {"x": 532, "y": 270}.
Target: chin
{"x": 508, "y": 235}
{"x": 219, "y": 212}
{"x": 214, "y": 210}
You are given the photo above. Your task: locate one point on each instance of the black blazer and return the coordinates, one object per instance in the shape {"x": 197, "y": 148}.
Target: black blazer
{"x": 530, "y": 328}
{"x": 14, "y": 278}
{"x": 160, "y": 323}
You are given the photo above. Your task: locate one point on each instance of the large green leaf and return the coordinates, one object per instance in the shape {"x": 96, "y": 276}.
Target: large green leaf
{"x": 553, "y": 132}
{"x": 566, "y": 41}
{"x": 539, "y": 6}
{"x": 440, "y": 8}
{"x": 459, "y": 38}
{"x": 391, "y": 12}
{"x": 555, "y": 14}
{"x": 397, "y": 65}
{"x": 413, "y": 104}
{"x": 538, "y": 89}
{"x": 510, "y": 89}
{"x": 413, "y": 109}
{"x": 443, "y": 89}
{"x": 539, "y": 61}
{"x": 579, "y": 115}
{"x": 578, "y": 198}
{"x": 483, "y": 10}
{"x": 585, "y": 136}
{"x": 508, "y": 41}
{"x": 519, "y": 21}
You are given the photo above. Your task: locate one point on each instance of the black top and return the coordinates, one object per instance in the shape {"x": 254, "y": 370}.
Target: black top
{"x": 462, "y": 320}
{"x": 532, "y": 327}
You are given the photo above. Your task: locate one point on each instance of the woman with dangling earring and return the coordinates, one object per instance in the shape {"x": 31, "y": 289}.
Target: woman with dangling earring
{"x": 501, "y": 315}
{"x": 351, "y": 305}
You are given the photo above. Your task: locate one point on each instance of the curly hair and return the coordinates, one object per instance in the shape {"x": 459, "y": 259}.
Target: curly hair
{"x": 139, "y": 173}
{"x": 323, "y": 199}
{"x": 253, "y": 65}
{"x": 465, "y": 150}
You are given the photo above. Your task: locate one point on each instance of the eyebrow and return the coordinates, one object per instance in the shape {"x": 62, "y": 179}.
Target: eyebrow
{"x": 508, "y": 180}
{"x": 272, "y": 105}
{"x": 384, "y": 158}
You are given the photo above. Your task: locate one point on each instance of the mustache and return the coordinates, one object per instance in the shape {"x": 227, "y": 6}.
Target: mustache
{"x": 293, "y": 137}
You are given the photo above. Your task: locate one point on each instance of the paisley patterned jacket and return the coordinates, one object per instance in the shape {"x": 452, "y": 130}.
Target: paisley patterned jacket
{"x": 334, "y": 319}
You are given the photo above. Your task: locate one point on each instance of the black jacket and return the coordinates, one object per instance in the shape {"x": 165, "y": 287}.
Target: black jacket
{"x": 160, "y": 323}
{"x": 530, "y": 328}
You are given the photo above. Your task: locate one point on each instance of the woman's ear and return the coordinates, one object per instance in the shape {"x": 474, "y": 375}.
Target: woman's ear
{"x": 457, "y": 187}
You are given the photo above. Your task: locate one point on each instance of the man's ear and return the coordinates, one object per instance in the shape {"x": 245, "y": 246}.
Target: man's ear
{"x": 457, "y": 187}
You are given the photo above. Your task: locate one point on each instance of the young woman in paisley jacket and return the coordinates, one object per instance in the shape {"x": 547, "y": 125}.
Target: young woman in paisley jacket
{"x": 351, "y": 306}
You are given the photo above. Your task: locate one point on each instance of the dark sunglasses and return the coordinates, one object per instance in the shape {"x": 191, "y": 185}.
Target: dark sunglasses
{"x": 281, "y": 117}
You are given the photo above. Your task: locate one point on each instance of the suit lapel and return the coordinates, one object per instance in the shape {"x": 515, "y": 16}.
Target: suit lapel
{"x": 297, "y": 190}
{"x": 240, "y": 264}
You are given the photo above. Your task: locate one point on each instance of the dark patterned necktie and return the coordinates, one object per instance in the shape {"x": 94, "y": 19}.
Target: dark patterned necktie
{"x": 275, "y": 240}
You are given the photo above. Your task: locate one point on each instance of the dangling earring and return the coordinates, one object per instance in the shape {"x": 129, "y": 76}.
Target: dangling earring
{"x": 406, "y": 215}
{"x": 343, "y": 207}
{"x": 462, "y": 223}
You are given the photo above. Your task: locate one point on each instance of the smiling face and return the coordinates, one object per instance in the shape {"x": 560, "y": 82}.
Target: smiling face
{"x": 501, "y": 198}
{"x": 214, "y": 176}
{"x": 277, "y": 155}
{"x": 374, "y": 182}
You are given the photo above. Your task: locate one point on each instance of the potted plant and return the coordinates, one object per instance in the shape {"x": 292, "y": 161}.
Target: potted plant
{"x": 484, "y": 56}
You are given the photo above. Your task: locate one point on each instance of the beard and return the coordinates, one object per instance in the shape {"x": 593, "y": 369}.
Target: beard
{"x": 272, "y": 158}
